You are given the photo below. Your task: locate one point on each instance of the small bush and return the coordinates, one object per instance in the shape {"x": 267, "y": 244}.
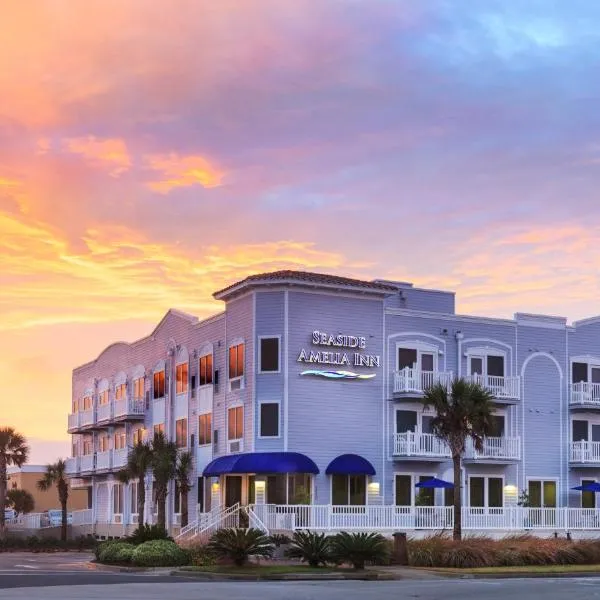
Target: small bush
{"x": 238, "y": 545}
{"x": 466, "y": 556}
{"x": 160, "y": 553}
{"x": 310, "y": 547}
{"x": 202, "y": 556}
{"x": 359, "y": 549}
{"x": 147, "y": 533}
{"x": 113, "y": 553}
{"x": 280, "y": 539}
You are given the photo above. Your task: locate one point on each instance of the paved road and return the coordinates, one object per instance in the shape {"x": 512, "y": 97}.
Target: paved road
{"x": 129, "y": 587}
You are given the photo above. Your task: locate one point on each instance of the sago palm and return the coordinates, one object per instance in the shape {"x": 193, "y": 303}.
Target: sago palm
{"x": 239, "y": 545}
{"x": 138, "y": 464}
{"x": 462, "y": 411}
{"x": 56, "y": 475}
{"x": 13, "y": 452}
{"x": 185, "y": 466}
{"x": 163, "y": 464}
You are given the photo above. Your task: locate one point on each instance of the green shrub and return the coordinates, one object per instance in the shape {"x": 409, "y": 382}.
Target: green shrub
{"x": 202, "y": 556}
{"x": 359, "y": 549}
{"x": 280, "y": 539}
{"x": 103, "y": 546}
{"x": 310, "y": 547}
{"x": 239, "y": 544}
{"x": 147, "y": 533}
{"x": 160, "y": 553}
{"x": 113, "y": 552}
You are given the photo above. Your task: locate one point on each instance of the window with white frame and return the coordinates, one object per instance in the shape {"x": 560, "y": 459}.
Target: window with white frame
{"x": 181, "y": 378}
{"x": 407, "y": 495}
{"x": 118, "y": 499}
{"x": 102, "y": 398}
{"x": 268, "y": 355}
{"x": 158, "y": 387}
{"x": 586, "y": 372}
{"x": 541, "y": 493}
{"x": 138, "y": 388}
{"x": 88, "y": 401}
{"x": 204, "y": 429}
{"x": 420, "y": 357}
{"x": 348, "y": 490}
{"x": 103, "y": 443}
{"x": 235, "y": 423}
{"x": 88, "y": 447}
{"x": 486, "y": 364}
{"x": 181, "y": 433}
{"x": 205, "y": 370}
{"x": 588, "y": 499}
{"x": 236, "y": 361}
{"x": 121, "y": 391}
{"x": 486, "y": 492}
{"x": 583, "y": 430}
{"x": 120, "y": 439}
{"x": 133, "y": 496}
{"x": 138, "y": 436}
{"x": 269, "y": 419}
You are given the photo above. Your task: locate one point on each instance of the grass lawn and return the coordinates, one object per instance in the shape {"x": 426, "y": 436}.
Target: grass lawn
{"x": 550, "y": 569}
{"x": 263, "y": 570}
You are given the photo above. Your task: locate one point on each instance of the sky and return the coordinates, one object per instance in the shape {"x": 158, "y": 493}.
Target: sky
{"x": 153, "y": 152}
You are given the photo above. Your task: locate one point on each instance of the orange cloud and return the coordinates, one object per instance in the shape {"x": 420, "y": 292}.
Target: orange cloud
{"x": 111, "y": 152}
{"x": 182, "y": 171}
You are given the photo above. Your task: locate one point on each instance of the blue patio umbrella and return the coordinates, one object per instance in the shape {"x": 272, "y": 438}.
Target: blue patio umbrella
{"x": 588, "y": 487}
{"x": 434, "y": 482}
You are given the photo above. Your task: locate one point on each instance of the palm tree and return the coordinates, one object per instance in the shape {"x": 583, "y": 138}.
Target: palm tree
{"x": 138, "y": 463}
{"x": 164, "y": 465}
{"x": 184, "y": 468}
{"x": 56, "y": 475}
{"x": 462, "y": 411}
{"x": 21, "y": 501}
{"x": 13, "y": 452}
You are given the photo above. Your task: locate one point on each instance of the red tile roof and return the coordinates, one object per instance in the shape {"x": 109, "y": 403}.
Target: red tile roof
{"x": 304, "y": 277}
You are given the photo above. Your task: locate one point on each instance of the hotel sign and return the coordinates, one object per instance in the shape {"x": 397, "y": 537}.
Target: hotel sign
{"x": 340, "y": 351}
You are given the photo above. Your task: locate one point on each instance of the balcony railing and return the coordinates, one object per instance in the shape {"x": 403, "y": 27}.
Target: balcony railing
{"x": 73, "y": 465}
{"x": 86, "y": 463}
{"x": 103, "y": 460}
{"x": 119, "y": 458}
{"x": 104, "y": 412}
{"x": 410, "y": 443}
{"x": 585, "y": 393}
{"x": 503, "y": 388}
{"x": 128, "y": 407}
{"x": 83, "y": 418}
{"x": 508, "y": 448}
{"x": 585, "y": 452}
{"x": 416, "y": 381}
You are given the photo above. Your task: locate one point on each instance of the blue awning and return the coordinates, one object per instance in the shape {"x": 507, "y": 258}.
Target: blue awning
{"x": 588, "y": 487}
{"x": 261, "y": 463}
{"x": 350, "y": 464}
{"x": 434, "y": 482}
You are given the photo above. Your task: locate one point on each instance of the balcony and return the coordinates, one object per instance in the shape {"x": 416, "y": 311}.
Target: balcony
{"x": 585, "y": 452}
{"x": 73, "y": 466}
{"x": 81, "y": 420}
{"x": 86, "y": 463}
{"x": 584, "y": 394}
{"x": 103, "y": 461}
{"x": 495, "y": 449}
{"x": 128, "y": 408}
{"x": 414, "y": 382}
{"x": 104, "y": 413}
{"x": 504, "y": 389}
{"x": 119, "y": 458}
{"x": 420, "y": 445}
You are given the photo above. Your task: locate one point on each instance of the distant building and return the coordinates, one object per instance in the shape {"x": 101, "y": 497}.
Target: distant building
{"x": 26, "y": 478}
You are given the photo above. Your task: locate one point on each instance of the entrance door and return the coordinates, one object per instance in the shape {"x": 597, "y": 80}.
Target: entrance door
{"x": 233, "y": 490}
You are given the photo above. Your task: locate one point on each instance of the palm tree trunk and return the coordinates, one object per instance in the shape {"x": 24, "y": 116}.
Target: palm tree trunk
{"x": 2, "y": 496}
{"x": 141, "y": 500}
{"x": 63, "y": 525}
{"x": 184, "y": 508}
{"x": 457, "y": 534}
{"x": 161, "y": 498}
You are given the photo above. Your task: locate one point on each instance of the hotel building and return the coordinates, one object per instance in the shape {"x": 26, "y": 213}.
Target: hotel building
{"x": 302, "y": 400}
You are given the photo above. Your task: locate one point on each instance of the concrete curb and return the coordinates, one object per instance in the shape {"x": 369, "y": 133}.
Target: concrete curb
{"x": 94, "y": 566}
{"x": 208, "y": 576}
{"x": 571, "y": 575}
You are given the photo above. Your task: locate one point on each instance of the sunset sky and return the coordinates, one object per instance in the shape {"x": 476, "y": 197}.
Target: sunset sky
{"x": 152, "y": 152}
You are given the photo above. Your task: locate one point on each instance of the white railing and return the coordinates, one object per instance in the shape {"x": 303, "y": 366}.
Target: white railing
{"x": 218, "y": 519}
{"x": 414, "y": 380}
{"x": 255, "y": 522}
{"x": 73, "y": 421}
{"x": 410, "y": 443}
{"x": 86, "y": 417}
{"x": 119, "y": 458}
{"x": 496, "y": 447}
{"x": 104, "y": 412}
{"x": 584, "y": 392}
{"x": 103, "y": 460}
{"x": 72, "y": 465}
{"x": 500, "y": 387}
{"x": 86, "y": 462}
{"x": 29, "y": 521}
{"x": 125, "y": 407}
{"x": 82, "y": 517}
{"x": 585, "y": 452}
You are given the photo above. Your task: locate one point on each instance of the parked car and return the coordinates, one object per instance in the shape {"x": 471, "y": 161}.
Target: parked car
{"x": 55, "y": 517}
